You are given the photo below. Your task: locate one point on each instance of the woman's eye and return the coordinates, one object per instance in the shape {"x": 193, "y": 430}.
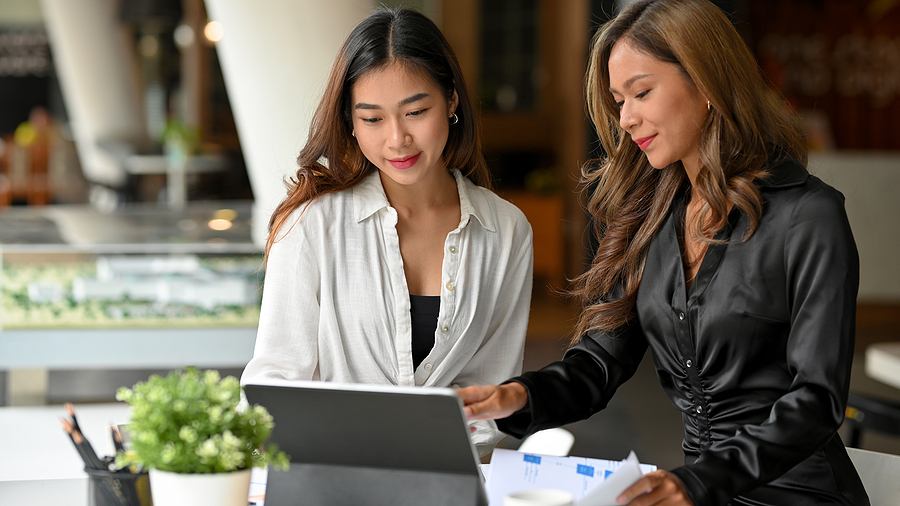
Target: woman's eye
{"x": 417, "y": 113}
{"x": 642, "y": 94}
{"x": 619, "y": 104}
{"x": 371, "y": 121}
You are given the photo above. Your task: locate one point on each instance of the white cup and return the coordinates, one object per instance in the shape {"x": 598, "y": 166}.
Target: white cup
{"x": 539, "y": 497}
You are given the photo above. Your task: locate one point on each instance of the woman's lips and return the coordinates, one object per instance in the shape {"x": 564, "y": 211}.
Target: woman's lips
{"x": 644, "y": 142}
{"x": 406, "y": 162}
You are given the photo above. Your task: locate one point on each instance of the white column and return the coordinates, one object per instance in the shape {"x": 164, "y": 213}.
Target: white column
{"x": 275, "y": 57}
{"x": 98, "y": 74}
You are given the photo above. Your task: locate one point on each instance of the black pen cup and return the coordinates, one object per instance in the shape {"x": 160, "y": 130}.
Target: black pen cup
{"x": 106, "y": 488}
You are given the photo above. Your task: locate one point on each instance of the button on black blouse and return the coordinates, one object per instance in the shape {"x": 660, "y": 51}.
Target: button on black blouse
{"x": 756, "y": 354}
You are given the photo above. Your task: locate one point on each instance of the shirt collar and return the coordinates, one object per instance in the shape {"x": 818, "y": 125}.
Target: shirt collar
{"x": 784, "y": 173}
{"x": 473, "y": 203}
{"x": 369, "y": 198}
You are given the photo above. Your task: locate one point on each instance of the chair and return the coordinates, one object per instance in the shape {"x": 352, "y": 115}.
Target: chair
{"x": 880, "y": 474}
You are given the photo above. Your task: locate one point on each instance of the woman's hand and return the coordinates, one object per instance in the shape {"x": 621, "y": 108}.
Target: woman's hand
{"x": 492, "y": 402}
{"x": 658, "y": 487}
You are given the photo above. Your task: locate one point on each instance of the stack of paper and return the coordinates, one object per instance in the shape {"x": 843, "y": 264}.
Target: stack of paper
{"x": 593, "y": 482}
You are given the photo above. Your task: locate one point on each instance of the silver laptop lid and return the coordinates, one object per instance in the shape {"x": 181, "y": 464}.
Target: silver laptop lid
{"x": 373, "y": 426}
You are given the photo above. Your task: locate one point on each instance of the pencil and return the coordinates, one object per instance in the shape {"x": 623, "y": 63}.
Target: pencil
{"x": 71, "y": 410}
{"x": 88, "y": 455}
{"x": 67, "y": 426}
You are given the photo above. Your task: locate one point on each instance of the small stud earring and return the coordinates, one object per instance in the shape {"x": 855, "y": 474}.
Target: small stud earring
{"x": 454, "y": 119}
{"x": 353, "y": 133}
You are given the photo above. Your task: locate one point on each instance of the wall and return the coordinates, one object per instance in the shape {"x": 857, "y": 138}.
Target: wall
{"x": 869, "y": 181}
{"x": 21, "y": 12}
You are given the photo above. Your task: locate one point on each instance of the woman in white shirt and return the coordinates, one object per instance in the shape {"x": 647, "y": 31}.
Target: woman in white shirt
{"x": 390, "y": 261}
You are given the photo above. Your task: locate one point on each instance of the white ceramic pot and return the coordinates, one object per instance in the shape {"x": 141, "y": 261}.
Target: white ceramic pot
{"x": 185, "y": 489}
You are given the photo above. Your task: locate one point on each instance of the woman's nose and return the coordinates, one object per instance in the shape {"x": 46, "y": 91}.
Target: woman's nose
{"x": 399, "y": 135}
{"x": 627, "y": 117}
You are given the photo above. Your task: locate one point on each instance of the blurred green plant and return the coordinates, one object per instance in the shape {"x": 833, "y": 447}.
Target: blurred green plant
{"x": 189, "y": 422}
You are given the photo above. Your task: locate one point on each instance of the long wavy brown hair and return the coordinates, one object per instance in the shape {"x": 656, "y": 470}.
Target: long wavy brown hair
{"x": 331, "y": 160}
{"x": 747, "y": 127}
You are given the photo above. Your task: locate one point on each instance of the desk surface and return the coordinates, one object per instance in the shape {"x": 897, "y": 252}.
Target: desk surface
{"x": 38, "y": 464}
{"x": 36, "y": 447}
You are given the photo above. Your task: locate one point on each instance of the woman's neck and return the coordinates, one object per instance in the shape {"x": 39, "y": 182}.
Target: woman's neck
{"x": 437, "y": 191}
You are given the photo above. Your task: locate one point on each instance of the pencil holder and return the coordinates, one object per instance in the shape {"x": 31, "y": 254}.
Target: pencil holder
{"x": 107, "y": 488}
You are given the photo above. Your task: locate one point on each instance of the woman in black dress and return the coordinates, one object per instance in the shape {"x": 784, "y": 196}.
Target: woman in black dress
{"x": 720, "y": 252}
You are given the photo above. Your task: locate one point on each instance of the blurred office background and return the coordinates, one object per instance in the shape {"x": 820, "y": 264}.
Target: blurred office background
{"x": 157, "y": 132}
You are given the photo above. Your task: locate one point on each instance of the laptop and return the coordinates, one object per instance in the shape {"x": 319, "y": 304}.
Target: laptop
{"x": 369, "y": 444}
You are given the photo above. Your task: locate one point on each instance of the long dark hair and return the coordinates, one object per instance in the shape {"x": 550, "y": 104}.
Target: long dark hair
{"x": 746, "y": 127}
{"x": 331, "y": 161}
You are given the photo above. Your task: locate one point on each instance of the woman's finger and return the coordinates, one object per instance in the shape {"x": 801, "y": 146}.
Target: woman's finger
{"x": 656, "y": 488}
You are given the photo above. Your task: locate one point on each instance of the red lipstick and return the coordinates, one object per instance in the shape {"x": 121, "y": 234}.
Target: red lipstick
{"x": 405, "y": 162}
{"x": 644, "y": 142}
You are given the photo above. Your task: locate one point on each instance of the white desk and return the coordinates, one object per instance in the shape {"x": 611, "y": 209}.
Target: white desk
{"x": 883, "y": 362}
{"x": 38, "y": 464}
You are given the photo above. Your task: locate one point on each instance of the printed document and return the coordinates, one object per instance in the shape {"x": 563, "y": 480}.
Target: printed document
{"x": 593, "y": 482}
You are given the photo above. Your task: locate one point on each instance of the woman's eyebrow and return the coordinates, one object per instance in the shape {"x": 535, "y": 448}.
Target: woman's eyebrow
{"x": 405, "y": 101}
{"x": 629, "y": 82}
{"x": 414, "y": 98}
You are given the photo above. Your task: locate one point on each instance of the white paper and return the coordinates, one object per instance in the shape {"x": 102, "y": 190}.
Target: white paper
{"x": 606, "y": 492}
{"x": 513, "y": 471}
{"x": 258, "y": 478}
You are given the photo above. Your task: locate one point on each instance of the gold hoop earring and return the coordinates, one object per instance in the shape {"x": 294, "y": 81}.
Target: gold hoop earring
{"x": 707, "y": 105}
{"x": 454, "y": 119}
{"x": 353, "y": 133}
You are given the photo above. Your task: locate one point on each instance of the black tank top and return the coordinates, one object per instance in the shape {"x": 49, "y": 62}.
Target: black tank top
{"x": 423, "y": 309}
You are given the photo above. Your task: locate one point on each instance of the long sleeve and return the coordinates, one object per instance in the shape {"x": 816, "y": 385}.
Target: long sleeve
{"x": 579, "y": 385}
{"x": 286, "y": 341}
{"x": 822, "y": 276}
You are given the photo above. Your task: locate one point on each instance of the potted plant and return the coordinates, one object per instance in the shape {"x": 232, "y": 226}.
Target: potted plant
{"x": 186, "y": 427}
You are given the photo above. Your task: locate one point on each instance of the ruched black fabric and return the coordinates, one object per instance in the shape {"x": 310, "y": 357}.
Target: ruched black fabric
{"x": 756, "y": 354}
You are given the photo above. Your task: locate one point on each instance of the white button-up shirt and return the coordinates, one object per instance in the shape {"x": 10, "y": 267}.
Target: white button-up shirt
{"x": 336, "y": 304}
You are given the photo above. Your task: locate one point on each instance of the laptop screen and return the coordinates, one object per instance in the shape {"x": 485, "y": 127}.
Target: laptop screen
{"x": 372, "y": 426}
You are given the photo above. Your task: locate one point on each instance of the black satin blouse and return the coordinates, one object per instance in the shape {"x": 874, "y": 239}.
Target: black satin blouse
{"x": 756, "y": 354}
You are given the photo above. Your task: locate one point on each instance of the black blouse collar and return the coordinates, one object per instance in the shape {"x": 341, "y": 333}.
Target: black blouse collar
{"x": 784, "y": 173}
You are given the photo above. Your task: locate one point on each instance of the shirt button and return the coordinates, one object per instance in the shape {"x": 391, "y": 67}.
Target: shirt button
{"x": 428, "y": 366}
{"x": 699, "y": 409}
{"x": 452, "y": 249}
{"x": 445, "y": 329}
{"x": 689, "y": 363}
{"x": 681, "y": 316}
{"x": 449, "y": 287}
